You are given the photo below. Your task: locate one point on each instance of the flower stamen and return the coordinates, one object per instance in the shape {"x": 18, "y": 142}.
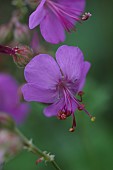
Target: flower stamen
{"x": 80, "y": 93}
{"x": 86, "y": 16}
{"x": 72, "y": 129}
{"x": 81, "y": 107}
{"x": 63, "y": 15}
{"x": 61, "y": 115}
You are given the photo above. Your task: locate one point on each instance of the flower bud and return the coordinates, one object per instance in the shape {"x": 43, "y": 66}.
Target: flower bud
{"x": 6, "y": 121}
{"x": 6, "y": 34}
{"x": 23, "y": 55}
{"x": 21, "y": 33}
{"x": 10, "y": 145}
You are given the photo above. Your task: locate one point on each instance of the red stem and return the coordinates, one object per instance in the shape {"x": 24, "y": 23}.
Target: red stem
{"x": 7, "y": 50}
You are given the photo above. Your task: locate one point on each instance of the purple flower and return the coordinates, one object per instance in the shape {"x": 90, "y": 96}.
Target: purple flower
{"x": 57, "y": 83}
{"x": 35, "y": 45}
{"x": 9, "y": 99}
{"x": 55, "y": 16}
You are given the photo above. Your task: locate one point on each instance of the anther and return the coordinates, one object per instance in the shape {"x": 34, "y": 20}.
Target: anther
{"x": 81, "y": 107}
{"x": 61, "y": 115}
{"x": 80, "y": 93}
{"x": 93, "y": 119}
{"x": 71, "y": 130}
{"x": 86, "y": 16}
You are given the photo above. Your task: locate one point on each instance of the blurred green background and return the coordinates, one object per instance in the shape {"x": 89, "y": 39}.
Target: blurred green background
{"x": 90, "y": 147}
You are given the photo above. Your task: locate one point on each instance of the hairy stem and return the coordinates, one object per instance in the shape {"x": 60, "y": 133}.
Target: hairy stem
{"x": 32, "y": 148}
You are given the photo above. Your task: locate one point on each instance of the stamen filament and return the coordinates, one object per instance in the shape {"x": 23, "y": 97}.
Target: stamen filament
{"x": 81, "y": 106}
{"x": 60, "y": 11}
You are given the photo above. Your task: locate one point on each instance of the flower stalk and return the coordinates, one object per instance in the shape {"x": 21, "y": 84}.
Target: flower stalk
{"x": 6, "y": 50}
{"x": 47, "y": 157}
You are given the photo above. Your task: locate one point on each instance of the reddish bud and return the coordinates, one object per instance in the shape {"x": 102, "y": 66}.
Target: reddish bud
{"x": 23, "y": 55}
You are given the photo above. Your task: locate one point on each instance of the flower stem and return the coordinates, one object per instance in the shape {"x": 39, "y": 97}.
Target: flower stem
{"x": 32, "y": 148}
{"x": 6, "y": 50}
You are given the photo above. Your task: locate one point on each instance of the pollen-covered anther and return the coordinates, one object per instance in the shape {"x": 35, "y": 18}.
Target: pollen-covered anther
{"x": 61, "y": 115}
{"x": 71, "y": 130}
{"x": 93, "y": 119}
{"x": 81, "y": 107}
{"x": 86, "y": 16}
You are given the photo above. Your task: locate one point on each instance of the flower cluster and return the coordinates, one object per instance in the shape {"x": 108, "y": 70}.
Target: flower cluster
{"x": 57, "y": 83}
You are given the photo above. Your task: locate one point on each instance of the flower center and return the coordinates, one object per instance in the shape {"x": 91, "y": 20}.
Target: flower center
{"x": 70, "y": 104}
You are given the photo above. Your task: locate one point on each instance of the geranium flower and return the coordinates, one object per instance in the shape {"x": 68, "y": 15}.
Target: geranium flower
{"x": 57, "y": 83}
{"x": 55, "y": 16}
{"x": 9, "y": 98}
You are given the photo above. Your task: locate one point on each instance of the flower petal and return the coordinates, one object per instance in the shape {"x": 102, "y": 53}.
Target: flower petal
{"x": 51, "y": 28}
{"x": 32, "y": 92}
{"x": 85, "y": 70}
{"x": 54, "y": 108}
{"x": 20, "y": 113}
{"x": 70, "y": 60}
{"x": 73, "y": 4}
{"x": 8, "y": 88}
{"x": 44, "y": 71}
{"x": 36, "y": 17}
{"x": 9, "y": 98}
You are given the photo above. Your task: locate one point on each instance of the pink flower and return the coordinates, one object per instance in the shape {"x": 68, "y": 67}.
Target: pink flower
{"x": 9, "y": 99}
{"x": 55, "y": 16}
{"x": 57, "y": 83}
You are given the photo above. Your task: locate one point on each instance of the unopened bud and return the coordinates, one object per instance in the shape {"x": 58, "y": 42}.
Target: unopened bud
{"x": 6, "y": 121}
{"x": 21, "y": 33}
{"x": 10, "y": 145}
{"x": 23, "y": 55}
{"x": 6, "y": 34}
